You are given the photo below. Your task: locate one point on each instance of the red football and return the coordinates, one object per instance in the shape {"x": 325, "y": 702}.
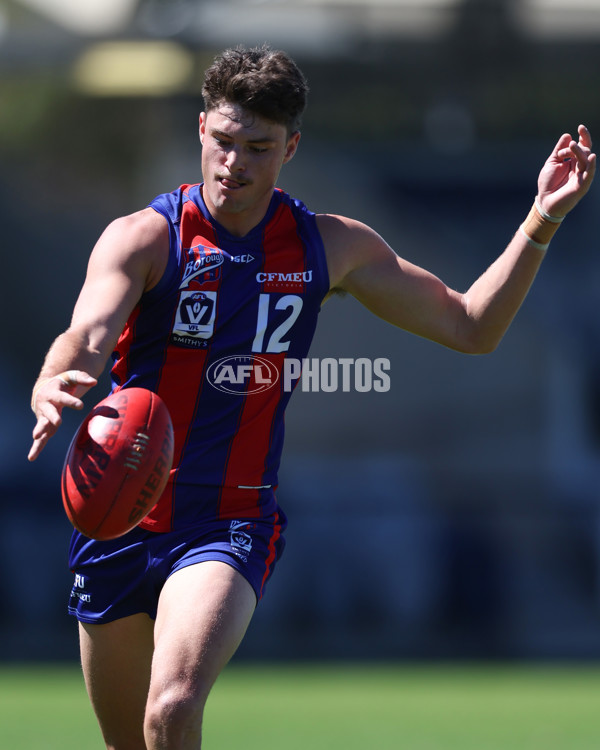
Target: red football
{"x": 118, "y": 463}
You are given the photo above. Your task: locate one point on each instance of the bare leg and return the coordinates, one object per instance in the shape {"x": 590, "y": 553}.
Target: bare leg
{"x": 203, "y": 613}
{"x": 116, "y": 659}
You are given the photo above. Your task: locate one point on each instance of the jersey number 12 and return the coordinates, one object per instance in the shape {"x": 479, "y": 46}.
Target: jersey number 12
{"x": 276, "y": 342}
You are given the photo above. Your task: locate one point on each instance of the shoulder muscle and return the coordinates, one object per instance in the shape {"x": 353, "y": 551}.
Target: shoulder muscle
{"x": 128, "y": 259}
{"x": 137, "y": 245}
{"x": 350, "y": 245}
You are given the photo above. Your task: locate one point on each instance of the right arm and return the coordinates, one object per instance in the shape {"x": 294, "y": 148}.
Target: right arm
{"x": 128, "y": 259}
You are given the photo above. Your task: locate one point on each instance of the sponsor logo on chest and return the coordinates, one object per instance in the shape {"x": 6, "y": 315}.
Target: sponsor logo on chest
{"x": 274, "y": 281}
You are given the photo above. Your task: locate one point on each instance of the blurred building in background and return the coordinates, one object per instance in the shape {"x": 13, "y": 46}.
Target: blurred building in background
{"x": 455, "y": 515}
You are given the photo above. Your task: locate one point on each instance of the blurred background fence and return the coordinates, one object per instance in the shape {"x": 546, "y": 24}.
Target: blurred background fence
{"x": 455, "y": 515}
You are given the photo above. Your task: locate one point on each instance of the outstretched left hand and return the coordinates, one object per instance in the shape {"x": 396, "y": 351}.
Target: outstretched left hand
{"x": 567, "y": 174}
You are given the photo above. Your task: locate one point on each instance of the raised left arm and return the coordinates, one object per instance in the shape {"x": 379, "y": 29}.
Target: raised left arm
{"x": 411, "y": 298}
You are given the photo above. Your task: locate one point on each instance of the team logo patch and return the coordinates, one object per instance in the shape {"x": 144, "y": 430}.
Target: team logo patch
{"x": 204, "y": 264}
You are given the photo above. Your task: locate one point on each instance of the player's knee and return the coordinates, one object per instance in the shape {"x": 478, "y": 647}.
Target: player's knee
{"x": 174, "y": 718}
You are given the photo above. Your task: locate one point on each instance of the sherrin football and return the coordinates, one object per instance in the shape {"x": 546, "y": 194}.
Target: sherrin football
{"x": 118, "y": 463}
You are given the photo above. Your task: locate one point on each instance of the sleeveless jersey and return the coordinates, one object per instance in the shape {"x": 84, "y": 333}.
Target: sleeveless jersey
{"x": 220, "y": 339}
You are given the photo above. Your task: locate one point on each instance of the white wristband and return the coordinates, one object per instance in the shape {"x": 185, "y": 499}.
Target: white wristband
{"x": 548, "y": 217}
{"x": 533, "y": 243}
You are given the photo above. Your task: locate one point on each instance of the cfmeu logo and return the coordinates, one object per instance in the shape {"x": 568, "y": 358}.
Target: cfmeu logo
{"x": 241, "y": 374}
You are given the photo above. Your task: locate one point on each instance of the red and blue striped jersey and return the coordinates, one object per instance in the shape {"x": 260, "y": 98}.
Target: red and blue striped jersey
{"x": 212, "y": 339}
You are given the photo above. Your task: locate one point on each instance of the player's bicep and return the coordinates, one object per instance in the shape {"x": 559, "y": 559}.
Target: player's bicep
{"x": 102, "y": 308}
{"x": 405, "y": 295}
{"x": 409, "y": 297}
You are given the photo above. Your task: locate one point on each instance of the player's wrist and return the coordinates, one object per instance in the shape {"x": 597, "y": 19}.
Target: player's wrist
{"x": 539, "y": 227}
{"x": 544, "y": 214}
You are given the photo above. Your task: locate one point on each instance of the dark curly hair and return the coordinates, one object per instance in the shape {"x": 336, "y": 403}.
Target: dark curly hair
{"x": 263, "y": 81}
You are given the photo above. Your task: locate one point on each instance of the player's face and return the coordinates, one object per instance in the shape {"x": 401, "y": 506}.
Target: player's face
{"x": 242, "y": 155}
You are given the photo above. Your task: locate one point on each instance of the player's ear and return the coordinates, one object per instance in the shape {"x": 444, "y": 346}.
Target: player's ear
{"x": 292, "y": 146}
{"x": 202, "y": 126}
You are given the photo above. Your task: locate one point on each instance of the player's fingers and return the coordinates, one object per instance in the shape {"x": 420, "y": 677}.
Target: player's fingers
{"x": 562, "y": 144}
{"x": 47, "y": 426}
{"x": 66, "y": 382}
{"x": 582, "y": 156}
{"x": 576, "y": 153}
{"x": 56, "y": 404}
{"x": 36, "y": 448}
{"x": 590, "y": 168}
{"x": 42, "y": 432}
{"x": 585, "y": 137}
{"x": 77, "y": 377}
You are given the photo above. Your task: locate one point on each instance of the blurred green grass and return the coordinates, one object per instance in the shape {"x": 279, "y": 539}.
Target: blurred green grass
{"x": 333, "y": 706}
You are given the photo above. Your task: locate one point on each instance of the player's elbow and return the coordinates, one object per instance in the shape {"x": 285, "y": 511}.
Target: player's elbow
{"x": 484, "y": 348}
{"x": 478, "y": 340}
{"x": 478, "y": 332}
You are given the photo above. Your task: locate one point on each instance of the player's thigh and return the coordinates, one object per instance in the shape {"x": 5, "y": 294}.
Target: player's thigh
{"x": 116, "y": 659}
{"x": 203, "y": 613}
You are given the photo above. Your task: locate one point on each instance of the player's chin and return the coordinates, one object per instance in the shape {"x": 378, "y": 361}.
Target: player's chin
{"x": 231, "y": 196}
{"x": 230, "y": 202}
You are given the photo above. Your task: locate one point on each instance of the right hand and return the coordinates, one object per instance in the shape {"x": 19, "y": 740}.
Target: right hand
{"x": 50, "y": 396}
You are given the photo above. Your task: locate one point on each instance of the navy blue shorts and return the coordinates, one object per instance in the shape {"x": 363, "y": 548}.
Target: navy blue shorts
{"x": 125, "y": 576}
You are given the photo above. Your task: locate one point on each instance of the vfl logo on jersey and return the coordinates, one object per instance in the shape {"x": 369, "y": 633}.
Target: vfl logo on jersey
{"x": 204, "y": 264}
{"x": 242, "y": 374}
{"x": 195, "y": 318}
